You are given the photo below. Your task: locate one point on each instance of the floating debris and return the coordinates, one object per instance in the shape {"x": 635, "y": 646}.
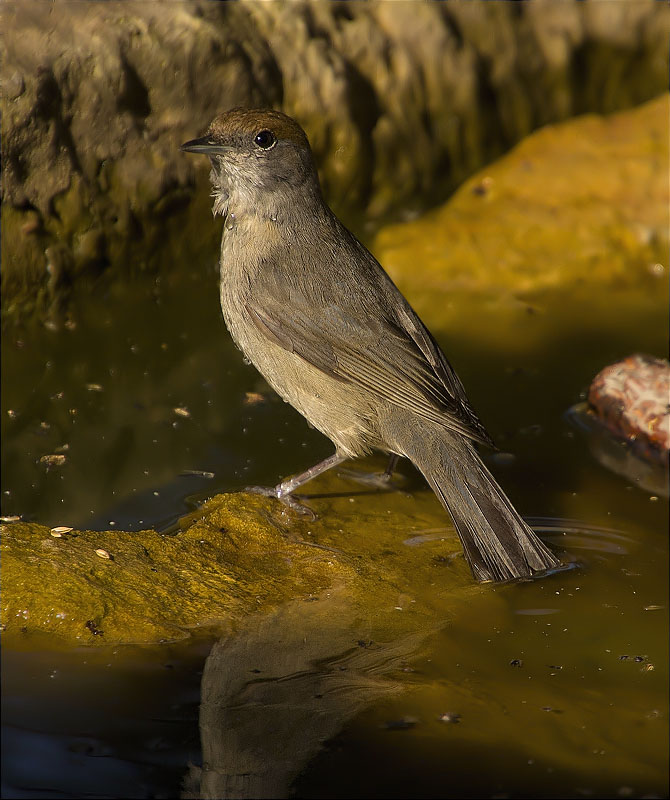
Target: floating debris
{"x": 94, "y": 387}
{"x": 53, "y": 460}
{"x": 253, "y": 398}
{"x": 450, "y": 717}
{"x": 182, "y": 411}
{"x": 196, "y": 473}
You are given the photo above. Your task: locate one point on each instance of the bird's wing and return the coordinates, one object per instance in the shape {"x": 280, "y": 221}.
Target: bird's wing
{"x": 389, "y": 353}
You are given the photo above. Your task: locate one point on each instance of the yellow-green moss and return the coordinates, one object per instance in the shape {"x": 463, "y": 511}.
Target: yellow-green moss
{"x": 236, "y": 555}
{"x": 583, "y": 203}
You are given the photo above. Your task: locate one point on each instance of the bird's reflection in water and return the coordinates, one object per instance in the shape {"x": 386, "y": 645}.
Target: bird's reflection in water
{"x": 273, "y": 693}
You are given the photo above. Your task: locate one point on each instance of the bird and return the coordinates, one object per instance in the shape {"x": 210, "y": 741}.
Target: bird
{"x": 312, "y": 309}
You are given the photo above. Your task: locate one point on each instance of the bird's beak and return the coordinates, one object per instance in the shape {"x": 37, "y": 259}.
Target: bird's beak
{"x": 205, "y": 146}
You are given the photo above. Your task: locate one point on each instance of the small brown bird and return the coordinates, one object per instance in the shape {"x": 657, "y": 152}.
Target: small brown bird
{"x": 316, "y": 314}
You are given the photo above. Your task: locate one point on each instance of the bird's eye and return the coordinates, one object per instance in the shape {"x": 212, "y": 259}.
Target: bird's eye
{"x": 265, "y": 139}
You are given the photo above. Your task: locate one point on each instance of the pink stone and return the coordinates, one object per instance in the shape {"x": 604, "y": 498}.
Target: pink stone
{"x": 632, "y": 398}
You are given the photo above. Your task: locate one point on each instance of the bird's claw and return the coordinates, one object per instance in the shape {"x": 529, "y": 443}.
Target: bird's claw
{"x": 287, "y": 499}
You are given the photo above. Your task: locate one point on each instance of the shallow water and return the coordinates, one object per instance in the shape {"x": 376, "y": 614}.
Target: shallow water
{"x": 554, "y": 688}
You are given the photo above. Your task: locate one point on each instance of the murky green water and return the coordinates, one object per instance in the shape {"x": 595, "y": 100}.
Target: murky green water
{"x": 548, "y": 689}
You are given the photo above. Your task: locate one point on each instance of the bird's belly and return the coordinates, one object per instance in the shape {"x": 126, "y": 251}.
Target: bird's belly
{"x": 345, "y": 414}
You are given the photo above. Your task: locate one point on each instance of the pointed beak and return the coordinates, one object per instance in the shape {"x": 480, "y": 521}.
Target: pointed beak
{"x": 206, "y": 146}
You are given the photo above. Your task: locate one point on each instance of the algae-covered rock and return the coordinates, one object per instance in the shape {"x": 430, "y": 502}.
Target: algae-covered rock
{"x": 236, "y": 555}
{"x": 400, "y": 100}
{"x": 573, "y": 208}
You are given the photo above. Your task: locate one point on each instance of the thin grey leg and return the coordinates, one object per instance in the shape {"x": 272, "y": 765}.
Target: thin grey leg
{"x": 284, "y": 491}
{"x": 291, "y": 484}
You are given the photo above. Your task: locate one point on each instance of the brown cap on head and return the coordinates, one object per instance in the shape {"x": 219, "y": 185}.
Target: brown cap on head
{"x": 243, "y": 122}
{"x": 282, "y": 153}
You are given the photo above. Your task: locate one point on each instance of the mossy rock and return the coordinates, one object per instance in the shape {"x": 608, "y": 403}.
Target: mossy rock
{"x": 574, "y": 208}
{"x": 238, "y": 554}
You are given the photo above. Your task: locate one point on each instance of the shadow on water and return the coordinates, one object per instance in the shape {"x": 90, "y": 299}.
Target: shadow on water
{"x": 552, "y": 688}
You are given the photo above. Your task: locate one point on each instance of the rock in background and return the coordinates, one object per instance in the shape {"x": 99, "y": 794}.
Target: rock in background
{"x": 578, "y": 207}
{"x": 401, "y": 101}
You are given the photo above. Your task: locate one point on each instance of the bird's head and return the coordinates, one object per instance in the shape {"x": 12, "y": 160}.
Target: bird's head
{"x": 258, "y": 157}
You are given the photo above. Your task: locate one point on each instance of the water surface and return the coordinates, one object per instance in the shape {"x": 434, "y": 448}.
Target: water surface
{"x": 553, "y": 688}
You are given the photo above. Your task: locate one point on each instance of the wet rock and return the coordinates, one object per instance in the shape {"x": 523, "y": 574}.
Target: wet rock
{"x": 627, "y": 420}
{"x": 632, "y": 399}
{"x": 237, "y": 555}
{"x": 401, "y": 101}
{"x": 574, "y": 208}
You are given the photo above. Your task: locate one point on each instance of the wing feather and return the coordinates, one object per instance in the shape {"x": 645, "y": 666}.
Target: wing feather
{"x": 395, "y": 359}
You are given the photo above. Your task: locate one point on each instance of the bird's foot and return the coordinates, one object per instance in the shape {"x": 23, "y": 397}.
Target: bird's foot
{"x": 287, "y": 499}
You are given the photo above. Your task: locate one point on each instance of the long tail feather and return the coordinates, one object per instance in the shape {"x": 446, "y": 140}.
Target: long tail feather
{"x": 497, "y": 543}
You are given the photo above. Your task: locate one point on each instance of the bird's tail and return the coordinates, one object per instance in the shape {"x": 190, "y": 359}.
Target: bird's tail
{"x": 497, "y": 543}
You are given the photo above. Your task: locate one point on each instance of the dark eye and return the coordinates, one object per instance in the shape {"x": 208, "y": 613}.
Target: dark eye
{"x": 265, "y": 139}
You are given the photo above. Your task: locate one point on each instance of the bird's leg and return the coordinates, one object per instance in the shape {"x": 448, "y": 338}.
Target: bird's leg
{"x": 382, "y": 480}
{"x": 284, "y": 491}
{"x": 390, "y": 469}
